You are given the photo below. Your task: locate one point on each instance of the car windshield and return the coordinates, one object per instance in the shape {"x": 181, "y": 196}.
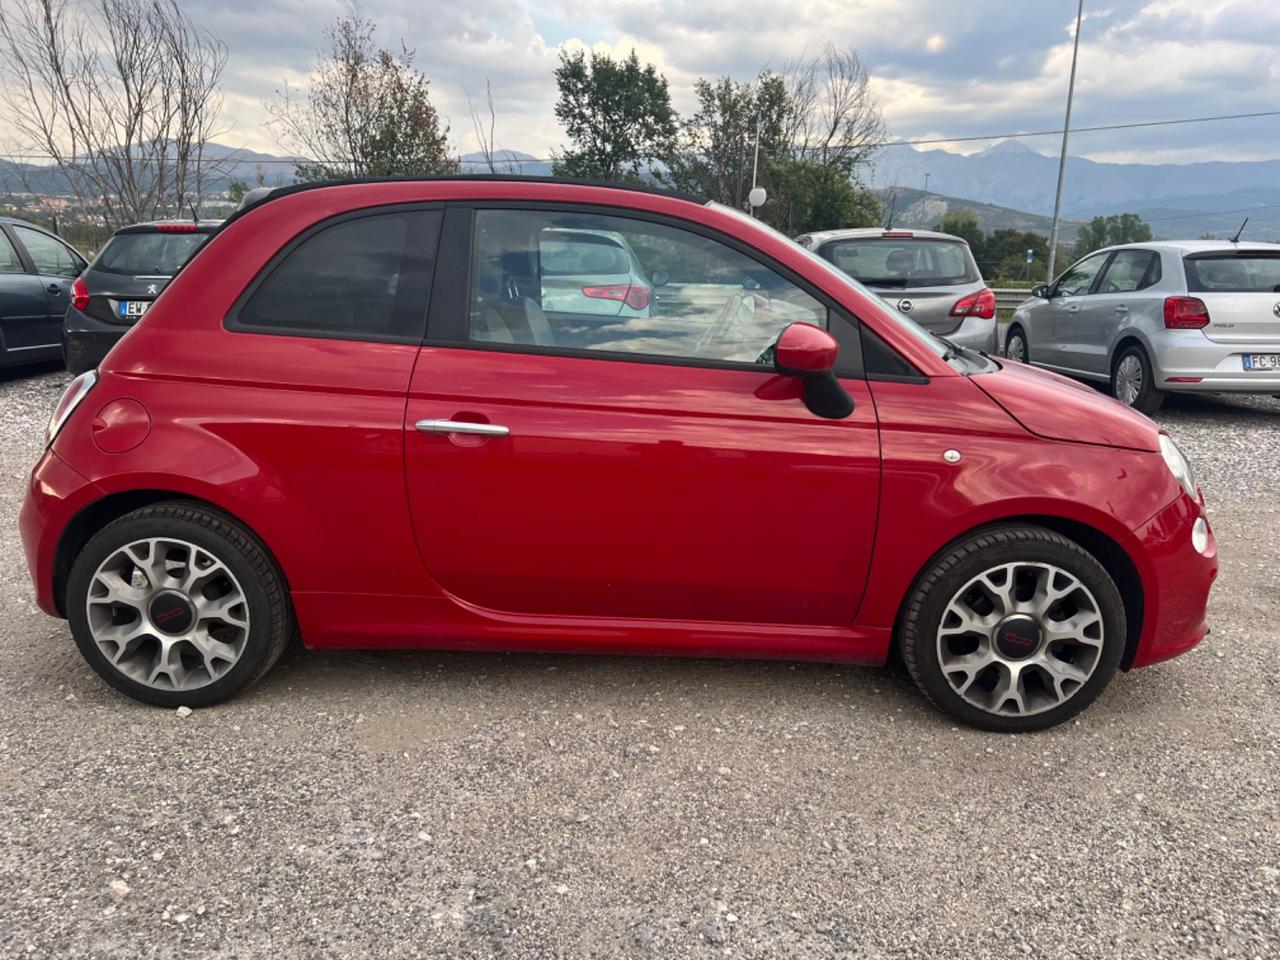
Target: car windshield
{"x": 563, "y": 253}
{"x": 938, "y": 346}
{"x": 1230, "y": 272}
{"x": 148, "y": 254}
{"x": 904, "y": 261}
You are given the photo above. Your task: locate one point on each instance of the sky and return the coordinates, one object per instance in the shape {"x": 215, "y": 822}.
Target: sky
{"x": 940, "y": 68}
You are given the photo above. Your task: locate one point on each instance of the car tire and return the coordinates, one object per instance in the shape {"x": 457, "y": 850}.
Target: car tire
{"x": 1036, "y": 676}
{"x": 177, "y": 604}
{"x": 1015, "y": 345}
{"x": 1133, "y": 383}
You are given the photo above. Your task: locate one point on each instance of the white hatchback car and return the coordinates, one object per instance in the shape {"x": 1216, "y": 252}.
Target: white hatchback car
{"x": 1193, "y": 316}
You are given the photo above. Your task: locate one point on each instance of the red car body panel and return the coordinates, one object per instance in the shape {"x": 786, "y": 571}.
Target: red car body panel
{"x": 635, "y": 507}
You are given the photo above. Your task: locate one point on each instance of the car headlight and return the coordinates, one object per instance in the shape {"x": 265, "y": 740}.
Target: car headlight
{"x": 1178, "y": 464}
{"x": 76, "y": 391}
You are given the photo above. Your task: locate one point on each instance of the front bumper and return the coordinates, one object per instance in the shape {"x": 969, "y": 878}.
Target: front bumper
{"x": 55, "y": 495}
{"x": 1176, "y": 579}
{"x": 1188, "y": 361}
{"x": 86, "y": 340}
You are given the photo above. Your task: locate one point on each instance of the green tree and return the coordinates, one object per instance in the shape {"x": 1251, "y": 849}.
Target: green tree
{"x": 236, "y": 189}
{"x": 807, "y": 196}
{"x": 617, "y": 114}
{"x": 964, "y": 224}
{"x": 367, "y": 112}
{"x": 1106, "y": 231}
{"x": 1005, "y": 254}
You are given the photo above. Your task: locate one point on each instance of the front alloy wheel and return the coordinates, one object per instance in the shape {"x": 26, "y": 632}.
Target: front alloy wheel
{"x": 1016, "y": 628}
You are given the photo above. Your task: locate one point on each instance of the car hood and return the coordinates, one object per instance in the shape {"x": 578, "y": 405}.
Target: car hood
{"x": 1056, "y": 408}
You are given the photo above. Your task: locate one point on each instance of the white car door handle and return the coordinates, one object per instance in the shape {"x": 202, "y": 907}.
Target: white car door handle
{"x": 1121, "y": 308}
{"x": 462, "y": 426}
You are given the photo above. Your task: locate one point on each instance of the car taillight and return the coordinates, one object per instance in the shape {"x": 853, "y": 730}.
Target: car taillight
{"x": 76, "y": 391}
{"x": 1185, "y": 313}
{"x": 176, "y": 228}
{"x": 79, "y": 294}
{"x": 632, "y": 294}
{"x": 981, "y": 304}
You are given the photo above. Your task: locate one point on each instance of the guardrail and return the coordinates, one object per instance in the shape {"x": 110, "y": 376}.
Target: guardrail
{"x": 1008, "y": 298}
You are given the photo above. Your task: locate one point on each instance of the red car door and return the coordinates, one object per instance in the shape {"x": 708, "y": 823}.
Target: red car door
{"x": 633, "y": 466}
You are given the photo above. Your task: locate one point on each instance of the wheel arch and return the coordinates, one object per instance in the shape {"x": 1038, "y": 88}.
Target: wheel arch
{"x": 1100, "y": 545}
{"x": 1129, "y": 338}
{"x": 96, "y": 515}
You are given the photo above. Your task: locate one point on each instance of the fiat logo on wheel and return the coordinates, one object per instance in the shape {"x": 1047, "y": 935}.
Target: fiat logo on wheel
{"x": 906, "y": 306}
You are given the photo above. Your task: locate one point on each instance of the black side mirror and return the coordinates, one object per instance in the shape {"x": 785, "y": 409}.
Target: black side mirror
{"x": 1040, "y": 291}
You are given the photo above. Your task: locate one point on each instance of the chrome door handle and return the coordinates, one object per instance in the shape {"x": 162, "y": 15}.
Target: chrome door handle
{"x": 1121, "y": 308}
{"x": 462, "y": 426}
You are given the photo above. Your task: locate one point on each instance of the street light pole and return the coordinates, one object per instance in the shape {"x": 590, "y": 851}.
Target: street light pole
{"x": 1066, "y": 129}
{"x": 755, "y": 162}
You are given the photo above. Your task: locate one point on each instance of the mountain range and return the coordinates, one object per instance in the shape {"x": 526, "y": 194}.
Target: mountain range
{"x": 1008, "y": 184}
{"x": 1178, "y": 200}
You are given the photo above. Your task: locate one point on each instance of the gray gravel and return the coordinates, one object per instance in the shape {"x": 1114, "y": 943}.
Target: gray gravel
{"x": 453, "y": 805}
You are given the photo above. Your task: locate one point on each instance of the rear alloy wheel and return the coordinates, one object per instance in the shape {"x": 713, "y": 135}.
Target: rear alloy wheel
{"x": 1015, "y": 347}
{"x": 177, "y": 605}
{"x": 1015, "y": 629}
{"x": 1132, "y": 382}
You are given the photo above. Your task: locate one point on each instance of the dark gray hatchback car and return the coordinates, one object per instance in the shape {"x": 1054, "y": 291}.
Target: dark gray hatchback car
{"x": 122, "y": 282}
{"x": 36, "y": 270}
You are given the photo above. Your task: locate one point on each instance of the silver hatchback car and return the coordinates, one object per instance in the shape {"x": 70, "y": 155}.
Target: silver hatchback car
{"x": 929, "y": 276}
{"x": 1195, "y": 316}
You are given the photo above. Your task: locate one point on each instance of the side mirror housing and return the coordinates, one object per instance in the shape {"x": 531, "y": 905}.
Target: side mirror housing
{"x": 1040, "y": 291}
{"x": 809, "y": 353}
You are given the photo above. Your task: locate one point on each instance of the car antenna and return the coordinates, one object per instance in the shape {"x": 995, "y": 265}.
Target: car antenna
{"x": 893, "y": 202}
{"x": 1236, "y": 238}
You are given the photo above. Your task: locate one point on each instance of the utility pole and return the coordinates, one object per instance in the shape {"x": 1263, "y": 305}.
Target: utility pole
{"x": 926, "y": 182}
{"x": 1062, "y": 160}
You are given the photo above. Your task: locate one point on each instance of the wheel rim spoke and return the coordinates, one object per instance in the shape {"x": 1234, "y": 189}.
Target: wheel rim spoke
{"x": 119, "y": 604}
{"x": 1009, "y": 681}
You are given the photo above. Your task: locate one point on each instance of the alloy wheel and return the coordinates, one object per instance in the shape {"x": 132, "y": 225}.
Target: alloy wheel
{"x": 167, "y": 613}
{"x": 1129, "y": 380}
{"x": 1016, "y": 348}
{"x": 1020, "y": 638}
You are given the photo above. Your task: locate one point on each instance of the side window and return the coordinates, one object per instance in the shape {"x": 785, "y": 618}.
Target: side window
{"x": 1131, "y": 270}
{"x": 1077, "y": 280}
{"x": 10, "y": 262}
{"x": 366, "y": 278}
{"x": 598, "y": 282}
{"x": 51, "y": 257}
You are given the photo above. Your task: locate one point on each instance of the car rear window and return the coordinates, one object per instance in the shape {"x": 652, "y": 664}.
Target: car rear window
{"x": 915, "y": 262}
{"x": 578, "y": 254}
{"x": 1245, "y": 271}
{"x": 148, "y": 254}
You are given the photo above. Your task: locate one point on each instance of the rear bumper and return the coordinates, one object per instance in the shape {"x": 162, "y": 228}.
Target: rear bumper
{"x": 55, "y": 494}
{"x": 976, "y": 334}
{"x": 86, "y": 340}
{"x": 1177, "y": 579}
{"x": 1179, "y": 356}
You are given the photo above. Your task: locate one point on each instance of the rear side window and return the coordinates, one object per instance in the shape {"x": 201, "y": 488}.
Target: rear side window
{"x": 148, "y": 254}
{"x": 51, "y": 257}
{"x": 565, "y": 253}
{"x": 1247, "y": 271}
{"x": 366, "y": 278}
{"x": 1131, "y": 270}
{"x": 904, "y": 262}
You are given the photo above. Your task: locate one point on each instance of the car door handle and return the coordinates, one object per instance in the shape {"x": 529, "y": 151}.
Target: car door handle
{"x": 462, "y": 426}
{"x": 1121, "y": 308}
{"x": 54, "y": 288}
{"x": 1073, "y": 308}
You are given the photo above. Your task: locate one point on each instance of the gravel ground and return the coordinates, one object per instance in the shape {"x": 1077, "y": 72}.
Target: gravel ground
{"x": 452, "y": 805}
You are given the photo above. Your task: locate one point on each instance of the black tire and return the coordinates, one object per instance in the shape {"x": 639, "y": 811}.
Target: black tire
{"x": 271, "y": 620}
{"x": 1017, "y": 340}
{"x": 967, "y": 559}
{"x": 1148, "y": 399}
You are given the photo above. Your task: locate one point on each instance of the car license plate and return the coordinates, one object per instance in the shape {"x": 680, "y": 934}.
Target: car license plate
{"x": 1262, "y": 361}
{"x": 134, "y": 308}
